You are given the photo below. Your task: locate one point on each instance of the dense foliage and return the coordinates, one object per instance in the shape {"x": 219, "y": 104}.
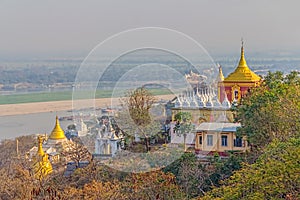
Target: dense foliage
{"x": 270, "y": 119}
{"x": 196, "y": 176}
{"x": 93, "y": 182}
{"x": 271, "y": 110}
{"x": 275, "y": 175}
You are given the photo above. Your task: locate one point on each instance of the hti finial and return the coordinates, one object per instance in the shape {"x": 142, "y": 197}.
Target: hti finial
{"x": 242, "y": 47}
{"x": 242, "y": 59}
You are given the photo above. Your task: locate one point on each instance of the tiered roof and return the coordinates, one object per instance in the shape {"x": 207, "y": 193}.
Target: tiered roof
{"x": 242, "y": 73}
{"x": 57, "y": 132}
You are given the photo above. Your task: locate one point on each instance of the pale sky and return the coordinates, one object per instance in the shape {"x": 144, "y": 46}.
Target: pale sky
{"x": 68, "y": 27}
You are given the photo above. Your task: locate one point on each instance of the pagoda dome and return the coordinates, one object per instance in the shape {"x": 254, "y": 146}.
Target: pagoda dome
{"x": 57, "y": 132}
{"x": 242, "y": 73}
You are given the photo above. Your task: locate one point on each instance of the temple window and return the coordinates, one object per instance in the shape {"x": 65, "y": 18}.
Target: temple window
{"x": 238, "y": 142}
{"x": 200, "y": 139}
{"x": 236, "y": 94}
{"x": 224, "y": 140}
{"x": 209, "y": 140}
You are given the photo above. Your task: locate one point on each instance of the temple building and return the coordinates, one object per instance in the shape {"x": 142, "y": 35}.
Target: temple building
{"x": 108, "y": 142}
{"x": 219, "y": 137}
{"x": 210, "y": 106}
{"x": 239, "y": 82}
{"x": 203, "y": 104}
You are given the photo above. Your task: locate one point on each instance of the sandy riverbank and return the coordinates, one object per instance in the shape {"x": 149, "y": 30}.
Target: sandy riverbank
{"x": 53, "y": 106}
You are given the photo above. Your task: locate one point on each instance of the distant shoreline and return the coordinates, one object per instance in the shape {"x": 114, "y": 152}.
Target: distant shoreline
{"x": 54, "y": 106}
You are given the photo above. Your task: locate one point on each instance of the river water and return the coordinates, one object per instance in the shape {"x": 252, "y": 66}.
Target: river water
{"x": 37, "y": 123}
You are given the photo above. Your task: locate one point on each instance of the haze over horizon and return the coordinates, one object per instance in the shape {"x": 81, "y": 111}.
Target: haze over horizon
{"x": 67, "y": 28}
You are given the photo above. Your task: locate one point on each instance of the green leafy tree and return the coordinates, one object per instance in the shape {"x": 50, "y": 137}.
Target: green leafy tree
{"x": 271, "y": 110}
{"x": 196, "y": 177}
{"x": 183, "y": 125}
{"x": 275, "y": 175}
{"x": 223, "y": 168}
{"x": 174, "y": 167}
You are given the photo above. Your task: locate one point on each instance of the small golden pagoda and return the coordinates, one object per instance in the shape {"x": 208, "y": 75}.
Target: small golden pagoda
{"x": 41, "y": 166}
{"x": 57, "y": 133}
{"x": 237, "y": 84}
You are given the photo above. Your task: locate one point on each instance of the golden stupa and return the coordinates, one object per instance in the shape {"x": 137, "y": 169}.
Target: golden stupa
{"x": 57, "y": 133}
{"x": 237, "y": 84}
{"x": 242, "y": 73}
{"x": 41, "y": 166}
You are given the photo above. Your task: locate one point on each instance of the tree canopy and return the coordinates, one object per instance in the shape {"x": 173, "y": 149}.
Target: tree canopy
{"x": 139, "y": 103}
{"x": 271, "y": 110}
{"x": 135, "y": 117}
{"x": 183, "y": 122}
{"x": 275, "y": 175}
{"x": 183, "y": 125}
{"x": 270, "y": 119}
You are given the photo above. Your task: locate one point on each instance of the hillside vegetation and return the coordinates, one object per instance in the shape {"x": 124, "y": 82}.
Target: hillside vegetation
{"x": 270, "y": 119}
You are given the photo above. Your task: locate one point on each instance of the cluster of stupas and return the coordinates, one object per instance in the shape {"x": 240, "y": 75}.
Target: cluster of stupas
{"x": 53, "y": 144}
{"x": 204, "y": 98}
{"x": 55, "y": 149}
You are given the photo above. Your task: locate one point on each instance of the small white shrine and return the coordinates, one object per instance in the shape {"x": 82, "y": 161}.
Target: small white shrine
{"x": 107, "y": 143}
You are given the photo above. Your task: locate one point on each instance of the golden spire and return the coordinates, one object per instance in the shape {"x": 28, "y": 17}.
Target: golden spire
{"x": 242, "y": 73}
{"x": 57, "y": 133}
{"x": 242, "y": 62}
{"x": 41, "y": 166}
{"x": 221, "y": 76}
{"x": 40, "y": 151}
